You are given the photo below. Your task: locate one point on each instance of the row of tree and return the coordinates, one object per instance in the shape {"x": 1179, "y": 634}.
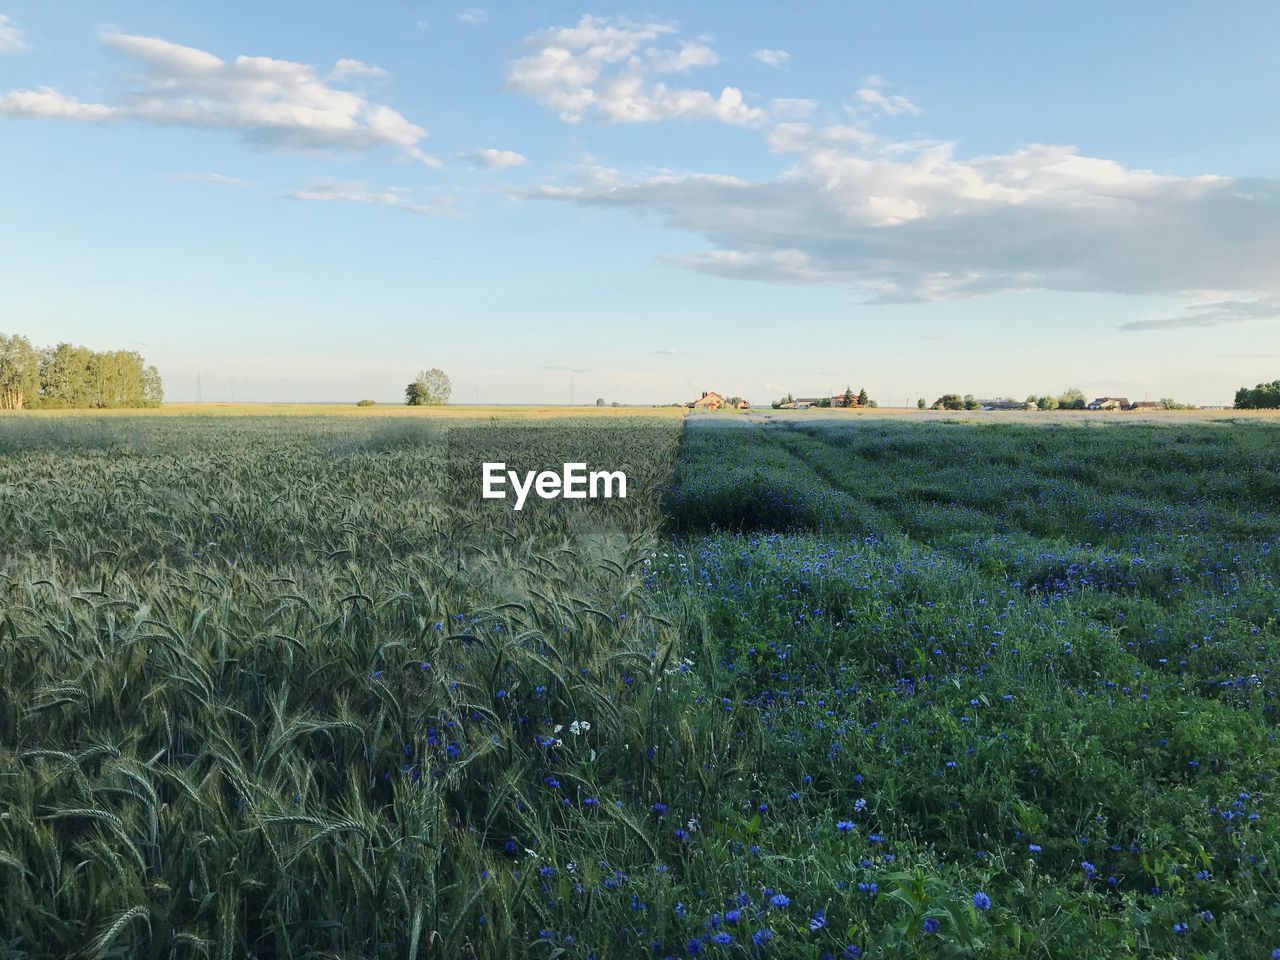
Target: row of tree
{"x": 69, "y": 376}
{"x": 1265, "y": 396}
{"x": 846, "y": 399}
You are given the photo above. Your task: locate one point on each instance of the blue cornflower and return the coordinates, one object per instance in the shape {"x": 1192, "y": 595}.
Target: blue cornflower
{"x": 500, "y": 695}
{"x": 694, "y": 947}
{"x": 1088, "y": 868}
{"x": 659, "y": 808}
{"x": 818, "y": 920}
{"x": 733, "y": 916}
{"x": 721, "y": 939}
{"x": 931, "y": 924}
{"x": 844, "y": 826}
{"x": 762, "y": 936}
{"x": 779, "y": 900}
{"x": 853, "y": 951}
{"x": 981, "y": 901}
{"x": 591, "y": 802}
{"x": 546, "y": 871}
{"x": 1180, "y": 928}
{"x": 1033, "y": 847}
{"x": 1206, "y": 916}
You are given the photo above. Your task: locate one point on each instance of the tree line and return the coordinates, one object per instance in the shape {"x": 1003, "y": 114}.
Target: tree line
{"x": 67, "y": 376}
{"x": 1265, "y": 396}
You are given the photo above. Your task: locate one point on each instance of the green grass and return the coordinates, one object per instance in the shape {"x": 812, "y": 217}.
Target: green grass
{"x": 287, "y": 687}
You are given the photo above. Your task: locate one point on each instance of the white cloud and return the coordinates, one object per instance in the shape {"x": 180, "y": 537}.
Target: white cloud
{"x": 346, "y": 69}
{"x": 1216, "y": 314}
{"x": 269, "y": 102}
{"x": 610, "y": 69}
{"x": 912, "y": 221}
{"x": 218, "y": 178}
{"x": 11, "y": 38}
{"x": 773, "y": 58}
{"x": 495, "y": 159}
{"x": 892, "y": 104}
{"x": 47, "y": 103}
{"x": 669, "y": 352}
{"x": 473, "y": 16}
{"x": 330, "y": 190}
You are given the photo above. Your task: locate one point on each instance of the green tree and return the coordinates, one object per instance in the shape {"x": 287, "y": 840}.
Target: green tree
{"x": 1071, "y": 399}
{"x": 19, "y": 372}
{"x": 970, "y": 403}
{"x": 1265, "y": 396}
{"x": 847, "y": 399}
{"x": 863, "y": 399}
{"x": 600, "y": 402}
{"x": 1047, "y": 403}
{"x": 919, "y": 403}
{"x": 949, "y": 401}
{"x": 432, "y": 388}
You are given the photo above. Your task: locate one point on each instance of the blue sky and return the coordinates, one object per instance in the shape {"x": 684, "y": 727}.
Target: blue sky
{"x": 312, "y": 201}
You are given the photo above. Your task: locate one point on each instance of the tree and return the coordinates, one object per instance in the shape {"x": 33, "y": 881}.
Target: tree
{"x": 863, "y": 399}
{"x": 600, "y": 402}
{"x": 1265, "y": 396}
{"x": 970, "y": 403}
{"x": 431, "y": 389}
{"x": 366, "y": 403}
{"x": 1047, "y": 403}
{"x": 919, "y": 403}
{"x": 153, "y": 388}
{"x": 19, "y": 373}
{"x": 1071, "y": 399}
{"x": 949, "y": 401}
{"x": 847, "y": 399}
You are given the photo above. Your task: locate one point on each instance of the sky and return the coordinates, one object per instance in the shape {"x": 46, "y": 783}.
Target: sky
{"x": 312, "y": 201}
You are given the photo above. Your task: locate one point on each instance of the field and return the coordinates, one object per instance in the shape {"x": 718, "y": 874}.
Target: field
{"x": 284, "y": 686}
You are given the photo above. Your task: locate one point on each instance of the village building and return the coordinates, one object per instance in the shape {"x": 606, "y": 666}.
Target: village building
{"x": 1108, "y": 403}
{"x": 710, "y": 400}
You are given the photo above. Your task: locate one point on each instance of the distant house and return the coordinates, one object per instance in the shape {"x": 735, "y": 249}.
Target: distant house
{"x": 1146, "y": 405}
{"x": 742, "y": 405}
{"x": 1108, "y": 403}
{"x": 1003, "y": 403}
{"x": 710, "y": 400}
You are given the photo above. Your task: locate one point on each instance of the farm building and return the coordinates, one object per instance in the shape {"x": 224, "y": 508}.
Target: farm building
{"x": 1147, "y": 405}
{"x": 1003, "y": 403}
{"x": 1108, "y": 403}
{"x": 710, "y": 400}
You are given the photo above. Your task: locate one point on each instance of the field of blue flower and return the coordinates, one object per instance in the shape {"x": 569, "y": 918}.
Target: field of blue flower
{"x": 1007, "y": 690}
{"x": 288, "y": 688}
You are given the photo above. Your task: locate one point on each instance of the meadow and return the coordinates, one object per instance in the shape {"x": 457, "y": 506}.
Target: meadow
{"x": 285, "y": 686}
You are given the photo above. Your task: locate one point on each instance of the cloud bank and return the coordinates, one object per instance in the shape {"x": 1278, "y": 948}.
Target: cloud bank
{"x": 270, "y": 103}
{"x": 915, "y": 221}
